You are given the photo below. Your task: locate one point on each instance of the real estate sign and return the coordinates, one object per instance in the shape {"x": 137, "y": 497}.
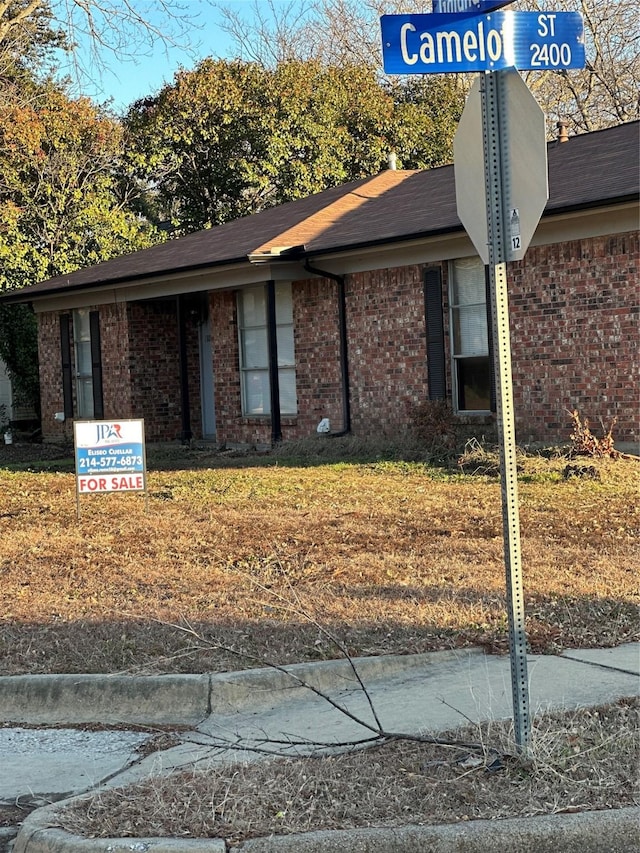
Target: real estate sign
{"x": 109, "y": 456}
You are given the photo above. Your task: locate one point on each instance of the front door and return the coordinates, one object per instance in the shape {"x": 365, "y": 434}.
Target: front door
{"x": 207, "y": 380}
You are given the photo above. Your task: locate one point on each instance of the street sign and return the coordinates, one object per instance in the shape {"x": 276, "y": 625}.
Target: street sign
{"x": 437, "y": 44}
{"x": 525, "y": 188}
{"x": 476, "y": 7}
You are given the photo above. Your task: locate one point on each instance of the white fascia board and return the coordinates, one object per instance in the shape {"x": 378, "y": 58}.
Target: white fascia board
{"x": 582, "y": 224}
{"x": 559, "y": 228}
{"x": 176, "y": 284}
{"x": 425, "y": 250}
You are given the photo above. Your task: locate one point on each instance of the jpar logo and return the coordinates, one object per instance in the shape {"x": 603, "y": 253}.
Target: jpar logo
{"x": 108, "y": 432}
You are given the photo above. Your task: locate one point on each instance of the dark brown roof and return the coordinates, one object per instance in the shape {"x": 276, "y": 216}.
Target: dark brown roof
{"x": 591, "y": 170}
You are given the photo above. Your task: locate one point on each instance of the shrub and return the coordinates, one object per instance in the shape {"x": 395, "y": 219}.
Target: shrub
{"x": 585, "y": 443}
{"x": 433, "y": 425}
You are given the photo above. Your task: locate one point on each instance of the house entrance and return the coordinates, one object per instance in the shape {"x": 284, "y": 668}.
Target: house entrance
{"x": 207, "y": 379}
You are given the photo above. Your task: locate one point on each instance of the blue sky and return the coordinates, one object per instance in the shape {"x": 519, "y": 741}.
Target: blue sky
{"x": 153, "y": 65}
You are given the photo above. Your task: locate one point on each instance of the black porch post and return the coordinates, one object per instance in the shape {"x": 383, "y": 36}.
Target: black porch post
{"x": 274, "y": 381}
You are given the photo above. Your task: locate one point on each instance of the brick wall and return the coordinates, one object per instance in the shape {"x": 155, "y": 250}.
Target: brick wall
{"x": 574, "y": 319}
{"x": 574, "y": 338}
{"x": 116, "y": 370}
{"x": 224, "y": 343}
{"x": 387, "y": 347}
{"x": 49, "y": 357}
{"x": 154, "y": 368}
{"x": 317, "y": 345}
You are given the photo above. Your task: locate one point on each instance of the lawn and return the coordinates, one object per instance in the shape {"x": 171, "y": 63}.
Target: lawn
{"x": 234, "y": 560}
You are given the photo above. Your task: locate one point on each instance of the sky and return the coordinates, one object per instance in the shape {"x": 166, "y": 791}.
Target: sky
{"x": 149, "y": 66}
{"x": 124, "y": 81}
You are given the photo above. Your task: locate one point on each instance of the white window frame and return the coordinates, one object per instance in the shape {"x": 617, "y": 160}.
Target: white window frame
{"x": 460, "y": 349}
{"x": 83, "y": 368}
{"x": 259, "y": 372}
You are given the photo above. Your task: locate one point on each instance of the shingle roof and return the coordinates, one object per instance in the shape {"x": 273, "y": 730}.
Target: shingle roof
{"x": 590, "y": 170}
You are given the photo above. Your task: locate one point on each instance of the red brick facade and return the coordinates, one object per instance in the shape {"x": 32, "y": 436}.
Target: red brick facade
{"x": 574, "y": 314}
{"x": 574, "y": 341}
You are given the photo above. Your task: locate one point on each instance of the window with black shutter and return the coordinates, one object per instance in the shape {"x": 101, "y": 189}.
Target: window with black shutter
{"x": 472, "y": 372}
{"x": 81, "y": 364}
{"x": 436, "y": 363}
{"x": 67, "y": 366}
{"x": 96, "y": 364}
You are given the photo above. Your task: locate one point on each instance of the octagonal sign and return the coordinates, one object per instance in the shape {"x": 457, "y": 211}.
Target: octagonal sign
{"x": 524, "y": 182}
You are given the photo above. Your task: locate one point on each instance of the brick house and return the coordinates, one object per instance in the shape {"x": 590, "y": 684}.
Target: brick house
{"x": 355, "y": 305}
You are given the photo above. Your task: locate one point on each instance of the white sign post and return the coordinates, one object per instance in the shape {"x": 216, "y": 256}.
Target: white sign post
{"x": 110, "y": 457}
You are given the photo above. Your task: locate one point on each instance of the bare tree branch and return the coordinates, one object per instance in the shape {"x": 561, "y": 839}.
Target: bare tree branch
{"x": 379, "y": 734}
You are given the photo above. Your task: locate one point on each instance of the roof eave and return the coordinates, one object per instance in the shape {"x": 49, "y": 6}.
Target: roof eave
{"x": 18, "y": 296}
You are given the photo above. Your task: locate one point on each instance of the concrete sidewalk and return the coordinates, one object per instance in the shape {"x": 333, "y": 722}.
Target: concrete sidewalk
{"x": 226, "y": 712}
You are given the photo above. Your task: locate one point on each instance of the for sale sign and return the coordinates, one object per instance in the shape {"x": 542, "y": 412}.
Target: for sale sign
{"x": 110, "y": 456}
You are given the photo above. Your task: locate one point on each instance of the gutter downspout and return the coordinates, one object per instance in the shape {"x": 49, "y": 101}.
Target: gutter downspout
{"x": 344, "y": 352}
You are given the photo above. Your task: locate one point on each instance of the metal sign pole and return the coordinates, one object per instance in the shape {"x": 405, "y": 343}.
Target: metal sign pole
{"x": 497, "y": 181}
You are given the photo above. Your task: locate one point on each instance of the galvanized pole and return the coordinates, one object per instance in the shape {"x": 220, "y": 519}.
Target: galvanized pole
{"x": 497, "y": 180}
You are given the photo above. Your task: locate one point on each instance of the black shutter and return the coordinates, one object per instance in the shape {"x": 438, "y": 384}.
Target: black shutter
{"x": 96, "y": 364}
{"x": 274, "y": 376}
{"x": 67, "y": 375}
{"x": 492, "y": 367}
{"x": 436, "y": 364}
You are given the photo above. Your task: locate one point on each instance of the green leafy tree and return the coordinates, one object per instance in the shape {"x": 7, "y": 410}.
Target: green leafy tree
{"x": 337, "y": 32}
{"x": 232, "y": 138}
{"x": 19, "y": 351}
{"x": 197, "y": 147}
{"x": 64, "y": 204}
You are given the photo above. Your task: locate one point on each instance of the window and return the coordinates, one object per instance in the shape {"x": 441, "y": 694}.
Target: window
{"x": 84, "y": 374}
{"x": 469, "y": 336}
{"x": 254, "y": 350}
{"x": 82, "y": 367}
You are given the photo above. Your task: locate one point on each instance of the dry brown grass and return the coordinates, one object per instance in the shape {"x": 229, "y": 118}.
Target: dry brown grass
{"x": 390, "y": 556}
{"x": 587, "y": 759}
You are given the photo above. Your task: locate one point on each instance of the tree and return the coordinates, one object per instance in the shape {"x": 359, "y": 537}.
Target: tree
{"x": 27, "y": 36}
{"x": 61, "y": 204}
{"x": 199, "y": 145}
{"x": 605, "y": 93}
{"x": 64, "y": 203}
{"x": 122, "y": 27}
{"x": 232, "y": 138}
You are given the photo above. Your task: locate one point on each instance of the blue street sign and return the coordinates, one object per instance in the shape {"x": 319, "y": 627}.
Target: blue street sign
{"x": 440, "y": 44}
{"x": 475, "y": 7}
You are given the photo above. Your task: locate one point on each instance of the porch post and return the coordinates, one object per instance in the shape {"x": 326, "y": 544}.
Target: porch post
{"x": 274, "y": 381}
{"x": 185, "y": 411}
